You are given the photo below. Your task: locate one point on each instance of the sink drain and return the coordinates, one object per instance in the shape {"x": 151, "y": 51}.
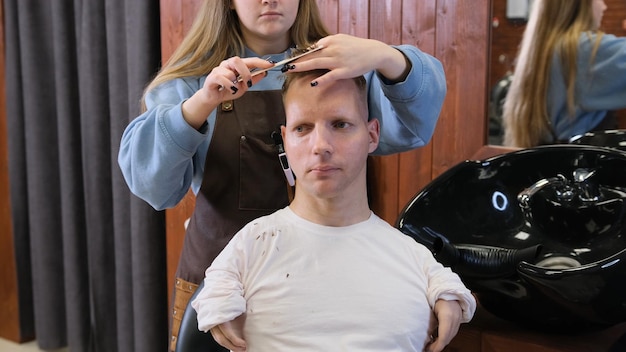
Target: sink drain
{"x": 559, "y": 263}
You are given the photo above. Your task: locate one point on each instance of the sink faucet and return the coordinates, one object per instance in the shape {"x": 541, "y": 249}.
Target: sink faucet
{"x": 565, "y": 190}
{"x": 524, "y": 196}
{"x": 588, "y": 191}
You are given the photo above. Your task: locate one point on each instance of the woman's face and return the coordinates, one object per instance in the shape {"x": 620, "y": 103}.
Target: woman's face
{"x": 266, "y": 21}
{"x": 597, "y": 7}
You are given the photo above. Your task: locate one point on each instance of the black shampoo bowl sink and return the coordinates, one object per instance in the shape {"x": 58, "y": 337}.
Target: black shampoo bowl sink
{"x": 609, "y": 138}
{"x": 536, "y": 234}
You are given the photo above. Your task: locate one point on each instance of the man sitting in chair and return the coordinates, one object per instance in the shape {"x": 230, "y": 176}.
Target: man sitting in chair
{"x": 326, "y": 273}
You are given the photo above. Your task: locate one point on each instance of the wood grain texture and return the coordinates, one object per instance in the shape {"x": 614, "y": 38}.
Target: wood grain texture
{"x": 419, "y": 20}
{"x": 461, "y": 45}
{"x": 329, "y": 11}
{"x": 488, "y": 333}
{"x": 383, "y": 25}
{"x": 9, "y": 305}
{"x": 171, "y": 27}
{"x": 353, "y": 18}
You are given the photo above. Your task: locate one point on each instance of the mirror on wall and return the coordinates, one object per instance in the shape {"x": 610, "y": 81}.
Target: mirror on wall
{"x": 507, "y": 28}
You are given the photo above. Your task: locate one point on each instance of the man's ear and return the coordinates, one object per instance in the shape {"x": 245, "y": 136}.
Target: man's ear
{"x": 373, "y": 129}
{"x": 282, "y": 132}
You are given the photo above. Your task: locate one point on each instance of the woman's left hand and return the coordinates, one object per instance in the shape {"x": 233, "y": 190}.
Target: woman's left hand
{"x": 347, "y": 56}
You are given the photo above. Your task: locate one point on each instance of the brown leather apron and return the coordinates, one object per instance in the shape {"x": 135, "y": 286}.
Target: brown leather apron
{"x": 242, "y": 181}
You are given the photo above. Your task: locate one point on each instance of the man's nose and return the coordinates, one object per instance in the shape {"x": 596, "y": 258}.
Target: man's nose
{"x": 322, "y": 140}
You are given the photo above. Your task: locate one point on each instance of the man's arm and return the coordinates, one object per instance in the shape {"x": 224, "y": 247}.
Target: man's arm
{"x": 230, "y": 334}
{"x": 444, "y": 328}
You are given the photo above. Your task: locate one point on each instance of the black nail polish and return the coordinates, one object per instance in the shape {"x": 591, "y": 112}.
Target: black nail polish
{"x": 249, "y": 83}
{"x": 271, "y": 61}
{"x": 284, "y": 69}
{"x": 234, "y": 89}
{"x": 291, "y": 67}
{"x": 313, "y": 84}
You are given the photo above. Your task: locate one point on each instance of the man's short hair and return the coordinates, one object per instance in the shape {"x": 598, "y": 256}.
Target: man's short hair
{"x": 291, "y": 77}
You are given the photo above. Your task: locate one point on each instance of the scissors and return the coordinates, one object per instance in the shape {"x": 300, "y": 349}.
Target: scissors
{"x": 284, "y": 62}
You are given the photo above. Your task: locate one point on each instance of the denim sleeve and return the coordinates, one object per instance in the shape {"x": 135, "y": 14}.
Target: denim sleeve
{"x": 408, "y": 111}
{"x": 602, "y": 77}
{"x": 161, "y": 155}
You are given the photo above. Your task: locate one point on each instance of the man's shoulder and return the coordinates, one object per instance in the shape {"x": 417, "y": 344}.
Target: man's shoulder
{"x": 267, "y": 221}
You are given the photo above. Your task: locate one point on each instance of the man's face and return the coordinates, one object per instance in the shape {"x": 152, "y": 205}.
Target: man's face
{"x": 327, "y": 136}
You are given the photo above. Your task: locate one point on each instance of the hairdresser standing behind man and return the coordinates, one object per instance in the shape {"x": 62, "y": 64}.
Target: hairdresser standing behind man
{"x": 208, "y": 122}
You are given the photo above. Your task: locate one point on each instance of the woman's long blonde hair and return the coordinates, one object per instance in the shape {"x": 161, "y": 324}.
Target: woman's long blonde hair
{"x": 215, "y": 35}
{"x": 554, "y": 26}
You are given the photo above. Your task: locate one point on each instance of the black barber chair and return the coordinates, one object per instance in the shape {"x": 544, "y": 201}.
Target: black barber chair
{"x": 190, "y": 339}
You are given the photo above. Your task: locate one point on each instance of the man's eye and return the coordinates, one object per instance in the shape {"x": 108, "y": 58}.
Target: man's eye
{"x": 341, "y": 124}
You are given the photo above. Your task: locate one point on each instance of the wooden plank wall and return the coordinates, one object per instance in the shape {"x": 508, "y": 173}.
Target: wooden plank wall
{"x": 462, "y": 37}
{"x": 455, "y": 31}
{"x": 10, "y": 322}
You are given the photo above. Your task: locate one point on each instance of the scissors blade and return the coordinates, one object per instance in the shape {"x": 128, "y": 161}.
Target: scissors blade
{"x": 288, "y": 60}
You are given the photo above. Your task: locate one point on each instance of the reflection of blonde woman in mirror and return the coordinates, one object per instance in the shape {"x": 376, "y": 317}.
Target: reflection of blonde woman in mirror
{"x": 569, "y": 75}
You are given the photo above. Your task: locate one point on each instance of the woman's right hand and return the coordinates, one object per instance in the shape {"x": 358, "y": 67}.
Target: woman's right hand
{"x": 228, "y": 81}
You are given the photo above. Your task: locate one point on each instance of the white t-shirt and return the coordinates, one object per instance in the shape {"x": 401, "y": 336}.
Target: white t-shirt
{"x": 309, "y": 287}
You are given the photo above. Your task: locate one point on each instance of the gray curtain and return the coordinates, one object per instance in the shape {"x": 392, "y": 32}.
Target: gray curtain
{"x": 91, "y": 257}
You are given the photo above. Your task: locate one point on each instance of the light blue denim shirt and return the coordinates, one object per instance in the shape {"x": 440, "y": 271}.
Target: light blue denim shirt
{"x": 600, "y": 86}
{"x": 161, "y": 155}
